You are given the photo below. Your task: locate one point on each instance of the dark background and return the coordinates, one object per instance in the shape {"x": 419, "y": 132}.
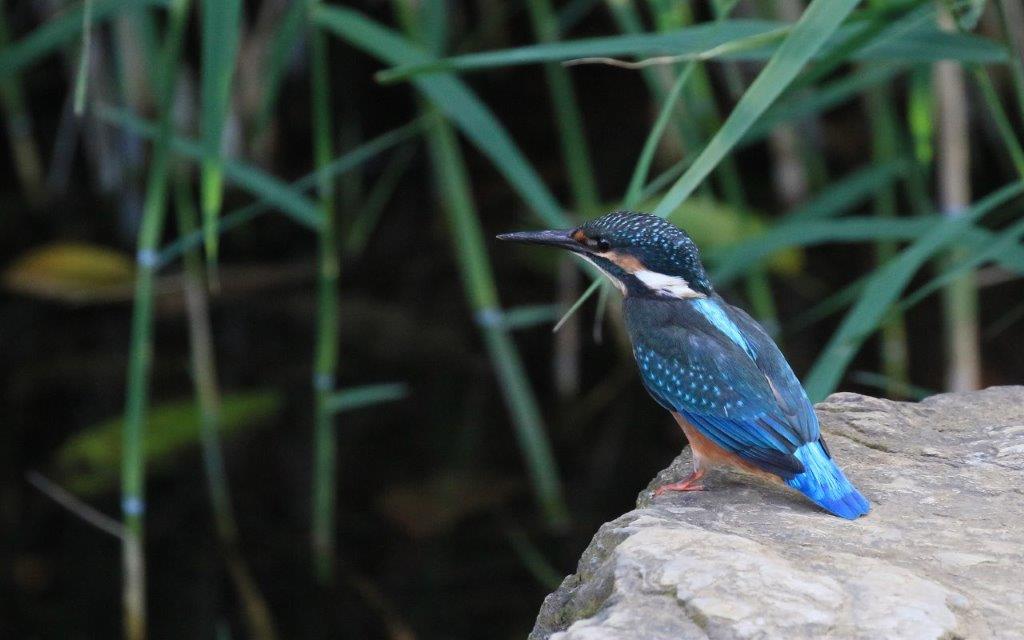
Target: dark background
{"x": 436, "y": 520}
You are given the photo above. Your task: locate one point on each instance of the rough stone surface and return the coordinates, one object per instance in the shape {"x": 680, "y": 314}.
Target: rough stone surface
{"x": 941, "y": 555}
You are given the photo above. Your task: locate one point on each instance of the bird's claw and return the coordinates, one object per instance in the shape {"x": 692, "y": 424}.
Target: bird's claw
{"x": 672, "y": 487}
{"x": 691, "y": 483}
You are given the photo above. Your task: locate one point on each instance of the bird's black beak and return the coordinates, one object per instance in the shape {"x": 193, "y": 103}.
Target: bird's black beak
{"x": 555, "y": 238}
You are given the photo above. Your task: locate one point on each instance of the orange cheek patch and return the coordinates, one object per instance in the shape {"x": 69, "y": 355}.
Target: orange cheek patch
{"x": 626, "y": 262}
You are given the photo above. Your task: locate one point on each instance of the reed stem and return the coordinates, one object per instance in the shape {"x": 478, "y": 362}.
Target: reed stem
{"x": 140, "y": 357}
{"x": 960, "y": 299}
{"x": 204, "y": 376}
{"x": 453, "y": 183}
{"x": 450, "y": 172}
{"x": 326, "y": 348}
{"x": 885, "y": 148}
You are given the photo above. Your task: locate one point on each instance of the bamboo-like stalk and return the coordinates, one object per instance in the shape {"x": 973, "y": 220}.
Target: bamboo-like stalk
{"x": 451, "y": 175}
{"x": 452, "y": 180}
{"x": 326, "y": 349}
{"x": 133, "y": 471}
{"x": 960, "y": 299}
{"x": 885, "y": 148}
{"x": 204, "y": 376}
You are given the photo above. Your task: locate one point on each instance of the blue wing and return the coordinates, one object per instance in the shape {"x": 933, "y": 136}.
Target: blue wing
{"x": 789, "y": 393}
{"x": 716, "y": 367}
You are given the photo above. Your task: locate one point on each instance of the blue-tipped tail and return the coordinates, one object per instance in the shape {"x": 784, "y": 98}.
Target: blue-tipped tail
{"x": 824, "y": 483}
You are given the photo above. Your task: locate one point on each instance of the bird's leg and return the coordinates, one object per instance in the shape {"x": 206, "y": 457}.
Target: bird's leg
{"x": 690, "y": 483}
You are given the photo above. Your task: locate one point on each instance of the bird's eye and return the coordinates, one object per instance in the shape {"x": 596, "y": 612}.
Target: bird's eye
{"x": 602, "y": 245}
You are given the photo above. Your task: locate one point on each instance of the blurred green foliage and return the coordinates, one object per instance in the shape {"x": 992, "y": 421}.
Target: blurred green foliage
{"x": 772, "y": 129}
{"x": 90, "y": 461}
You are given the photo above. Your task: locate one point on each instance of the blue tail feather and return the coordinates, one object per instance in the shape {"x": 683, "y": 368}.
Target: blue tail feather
{"x": 824, "y": 483}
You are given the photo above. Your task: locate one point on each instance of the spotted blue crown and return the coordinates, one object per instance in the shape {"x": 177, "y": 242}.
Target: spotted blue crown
{"x": 658, "y": 244}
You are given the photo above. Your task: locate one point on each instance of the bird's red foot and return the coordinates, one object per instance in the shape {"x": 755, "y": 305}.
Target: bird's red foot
{"x": 691, "y": 483}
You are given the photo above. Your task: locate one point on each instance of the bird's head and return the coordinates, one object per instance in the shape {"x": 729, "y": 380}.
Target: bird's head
{"x": 641, "y": 254}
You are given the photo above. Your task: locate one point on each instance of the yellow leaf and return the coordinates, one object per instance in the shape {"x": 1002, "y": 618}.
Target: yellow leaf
{"x": 72, "y": 272}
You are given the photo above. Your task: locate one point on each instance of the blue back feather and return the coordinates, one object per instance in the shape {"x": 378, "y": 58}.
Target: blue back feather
{"x": 717, "y": 367}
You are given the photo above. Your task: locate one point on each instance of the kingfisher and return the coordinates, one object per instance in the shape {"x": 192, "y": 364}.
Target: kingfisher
{"x": 711, "y": 365}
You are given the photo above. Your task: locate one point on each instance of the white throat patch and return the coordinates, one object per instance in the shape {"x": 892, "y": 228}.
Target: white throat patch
{"x": 673, "y": 286}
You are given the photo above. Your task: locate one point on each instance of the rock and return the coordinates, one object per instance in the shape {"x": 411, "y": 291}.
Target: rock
{"x": 941, "y": 555}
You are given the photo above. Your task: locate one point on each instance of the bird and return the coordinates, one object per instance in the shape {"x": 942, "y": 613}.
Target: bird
{"x": 709, "y": 363}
